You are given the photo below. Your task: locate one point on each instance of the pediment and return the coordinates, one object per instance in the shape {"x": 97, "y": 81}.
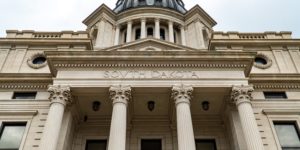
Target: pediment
{"x": 150, "y": 44}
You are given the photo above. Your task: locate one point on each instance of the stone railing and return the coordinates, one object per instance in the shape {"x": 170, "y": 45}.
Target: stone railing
{"x": 252, "y": 36}
{"x": 46, "y": 35}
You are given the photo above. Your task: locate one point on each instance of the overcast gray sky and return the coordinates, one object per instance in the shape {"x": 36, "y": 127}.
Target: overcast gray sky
{"x": 231, "y": 15}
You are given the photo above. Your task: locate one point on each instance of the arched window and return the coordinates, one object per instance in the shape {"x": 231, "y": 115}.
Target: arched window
{"x": 162, "y": 34}
{"x": 150, "y": 32}
{"x": 137, "y": 34}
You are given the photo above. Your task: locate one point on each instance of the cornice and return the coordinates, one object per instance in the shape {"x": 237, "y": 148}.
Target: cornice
{"x": 18, "y": 112}
{"x": 101, "y": 9}
{"x": 275, "y": 81}
{"x": 281, "y": 111}
{"x": 199, "y": 10}
{"x": 25, "y": 81}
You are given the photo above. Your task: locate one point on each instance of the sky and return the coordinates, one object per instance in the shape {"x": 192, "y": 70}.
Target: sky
{"x": 231, "y": 15}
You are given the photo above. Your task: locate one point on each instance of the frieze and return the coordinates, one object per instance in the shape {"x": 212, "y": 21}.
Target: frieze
{"x": 153, "y": 74}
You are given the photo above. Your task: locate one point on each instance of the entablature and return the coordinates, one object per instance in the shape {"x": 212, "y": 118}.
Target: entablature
{"x": 181, "y": 60}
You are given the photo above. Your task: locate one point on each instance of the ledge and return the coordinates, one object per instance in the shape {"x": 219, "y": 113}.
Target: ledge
{"x": 281, "y": 111}
{"x": 18, "y": 112}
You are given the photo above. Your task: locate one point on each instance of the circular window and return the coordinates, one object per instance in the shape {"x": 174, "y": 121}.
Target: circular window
{"x": 37, "y": 61}
{"x": 262, "y": 61}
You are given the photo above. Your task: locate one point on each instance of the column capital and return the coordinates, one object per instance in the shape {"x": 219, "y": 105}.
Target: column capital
{"x": 117, "y": 26}
{"x": 143, "y": 19}
{"x": 182, "y": 27}
{"x": 129, "y": 22}
{"x": 182, "y": 93}
{"x": 156, "y": 19}
{"x": 170, "y": 22}
{"x": 241, "y": 94}
{"x": 120, "y": 94}
{"x": 60, "y": 94}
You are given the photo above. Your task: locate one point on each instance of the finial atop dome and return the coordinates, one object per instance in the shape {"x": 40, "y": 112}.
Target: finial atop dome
{"x": 123, "y": 5}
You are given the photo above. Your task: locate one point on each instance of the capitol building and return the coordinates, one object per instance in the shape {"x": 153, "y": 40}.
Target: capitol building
{"x": 149, "y": 75}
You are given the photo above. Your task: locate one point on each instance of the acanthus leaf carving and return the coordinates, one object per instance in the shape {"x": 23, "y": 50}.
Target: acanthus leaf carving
{"x": 60, "y": 94}
{"x": 241, "y": 94}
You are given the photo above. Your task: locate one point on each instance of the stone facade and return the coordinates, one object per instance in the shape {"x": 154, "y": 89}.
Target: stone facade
{"x": 149, "y": 72}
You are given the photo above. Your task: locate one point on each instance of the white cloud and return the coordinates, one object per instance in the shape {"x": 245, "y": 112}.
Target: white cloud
{"x": 237, "y": 15}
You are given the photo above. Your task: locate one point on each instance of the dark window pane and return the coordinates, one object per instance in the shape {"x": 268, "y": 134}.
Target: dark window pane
{"x": 11, "y": 135}
{"x": 150, "y": 32}
{"x": 137, "y": 34}
{"x": 260, "y": 61}
{"x": 275, "y": 95}
{"x": 39, "y": 60}
{"x": 162, "y": 34}
{"x": 288, "y": 135}
{"x": 151, "y": 145}
{"x": 95, "y": 145}
{"x": 206, "y": 145}
{"x": 24, "y": 95}
{"x": 125, "y": 37}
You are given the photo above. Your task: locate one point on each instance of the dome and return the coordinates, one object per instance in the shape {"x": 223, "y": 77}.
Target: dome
{"x": 123, "y": 5}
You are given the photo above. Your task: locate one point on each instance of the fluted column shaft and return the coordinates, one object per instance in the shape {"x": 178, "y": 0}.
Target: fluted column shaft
{"x": 241, "y": 96}
{"x": 143, "y": 28}
{"x": 59, "y": 97}
{"x": 181, "y": 94}
{"x": 120, "y": 96}
{"x": 117, "y": 35}
{"x": 182, "y": 32}
{"x": 129, "y": 31}
{"x": 171, "y": 32}
{"x": 157, "y": 29}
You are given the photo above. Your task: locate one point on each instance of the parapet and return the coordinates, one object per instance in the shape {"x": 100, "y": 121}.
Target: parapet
{"x": 46, "y": 35}
{"x": 252, "y": 36}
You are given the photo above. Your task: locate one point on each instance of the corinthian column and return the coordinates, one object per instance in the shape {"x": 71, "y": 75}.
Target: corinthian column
{"x": 182, "y": 95}
{"x": 242, "y": 96}
{"x": 120, "y": 96}
{"x": 60, "y": 97}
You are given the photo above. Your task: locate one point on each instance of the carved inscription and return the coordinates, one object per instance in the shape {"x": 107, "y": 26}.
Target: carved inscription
{"x": 137, "y": 74}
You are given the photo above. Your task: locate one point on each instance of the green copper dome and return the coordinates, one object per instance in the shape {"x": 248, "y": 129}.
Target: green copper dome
{"x": 123, "y": 5}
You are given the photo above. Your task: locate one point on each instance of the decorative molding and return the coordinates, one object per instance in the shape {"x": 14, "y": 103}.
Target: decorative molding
{"x": 34, "y": 56}
{"x": 182, "y": 93}
{"x": 276, "y": 86}
{"x": 265, "y": 57}
{"x": 24, "y": 86}
{"x": 60, "y": 94}
{"x": 18, "y": 112}
{"x": 120, "y": 94}
{"x": 281, "y": 111}
{"x": 152, "y": 65}
{"x": 241, "y": 94}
